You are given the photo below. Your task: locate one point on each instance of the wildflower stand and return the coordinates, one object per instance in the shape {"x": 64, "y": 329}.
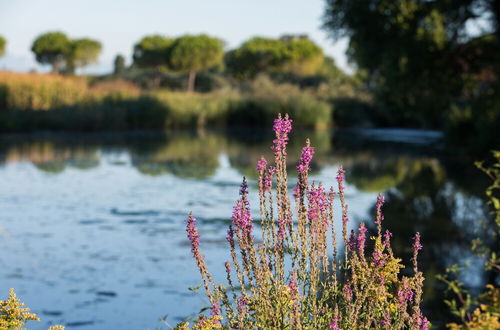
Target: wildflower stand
{"x": 295, "y": 278}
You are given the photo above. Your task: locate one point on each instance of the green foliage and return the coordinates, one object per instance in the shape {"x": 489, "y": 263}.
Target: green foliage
{"x": 294, "y": 54}
{"x": 119, "y": 65}
{"x": 481, "y": 312}
{"x": 51, "y": 48}
{"x": 195, "y": 53}
{"x": 3, "y": 44}
{"x": 82, "y": 52}
{"x": 13, "y": 314}
{"x": 419, "y": 55}
{"x": 70, "y": 103}
{"x": 152, "y": 51}
{"x": 263, "y": 100}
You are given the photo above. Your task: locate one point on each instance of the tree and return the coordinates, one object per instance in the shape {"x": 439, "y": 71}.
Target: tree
{"x": 51, "y": 48}
{"x": 3, "y": 42}
{"x": 193, "y": 53}
{"x": 415, "y": 52}
{"x": 291, "y": 54}
{"x": 81, "y": 53}
{"x": 119, "y": 64}
{"x": 152, "y": 52}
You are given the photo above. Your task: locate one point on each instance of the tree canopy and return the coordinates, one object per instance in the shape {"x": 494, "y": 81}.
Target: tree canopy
{"x": 416, "y": 51}
{"x": 3, "y": 43}
{"x": 294, "y": 54}
{"x": 193, "y": 53}
{"x": 61, "y": 52}
{"x": 82, "y": 52}
{"x": 51, "y": 48}
{"x": 152, "y": 51}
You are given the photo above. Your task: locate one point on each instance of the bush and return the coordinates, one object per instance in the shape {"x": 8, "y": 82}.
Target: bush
{"x": 293, "y": 278}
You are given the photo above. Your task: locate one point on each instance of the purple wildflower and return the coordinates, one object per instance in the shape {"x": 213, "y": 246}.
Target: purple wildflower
{"x": 241, "y": 216}
{"x": 352, "y": 241}
{"x": 244, "y": 188}
{"x": 228, "y": 267}
{"x": 215, "y": 309}
{"x": 242, "y": 304}
{"x": 305, "y": 157}
{"x": 378, "y": 206}
{"x": 230, "y": 236}
{"x": 348, "y": 291}
{"x": 261, "y": 164}
{"x": 423, "y": 322}
{"x": 296, "y": 191}
{"x": 405, "y": 295}
{"x": 318, "y": 202}
{"x": 268, "y": 178}
{"x": 361, "y": 238}
{"x": 282, "y": 126}
{"x": 241, "y": 211}
{"x": 378, "y": 259}
{"x": 417, "y": 246}
{"x": 192, "y": 231}
{"x": 335, "y": 323}
{"x": 293, "y": 285}
{"x": 387, "y": 238}
{"x": 340, "y": 174}
{"x": 385, "y": 320}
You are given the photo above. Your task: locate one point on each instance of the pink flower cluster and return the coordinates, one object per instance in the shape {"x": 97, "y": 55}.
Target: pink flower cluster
{"x": 293, "y": 285}
{"x": 340, "y": 174}
{"x": 387, "y": 238}
{"x": 378, "y": 206}
{"x": 417, "y": 246}
{"x": 282, "y": 126}
{"x": 242, "y": 304}
{"x": 378, "y": 259}
{"x": 261, "y": 164}
{"x": 241, "y": 211}
{"x": 361, "y": 238}
{"x": 318, "y": 202}
{"x": 268, "y": 178}
{"x": 335, "y": 323}
{"x": 405, "y": 295}
{"x": 305, "y": 158}
{"x": 192, "y": 231}
{"x": 241, "y": 216}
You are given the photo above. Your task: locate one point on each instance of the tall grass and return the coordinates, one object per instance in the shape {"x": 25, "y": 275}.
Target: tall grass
{"x": 40, "y": 92}
{"x": 72, "y": 103}
{"x": 296, "y": 276}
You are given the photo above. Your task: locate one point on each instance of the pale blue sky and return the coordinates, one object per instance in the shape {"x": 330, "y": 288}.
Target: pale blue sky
{"x": 119, "y": 24}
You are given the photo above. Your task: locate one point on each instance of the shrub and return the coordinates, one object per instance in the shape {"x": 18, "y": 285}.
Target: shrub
{"x": 295, "y": 277}
{"x": 13, "y": 314}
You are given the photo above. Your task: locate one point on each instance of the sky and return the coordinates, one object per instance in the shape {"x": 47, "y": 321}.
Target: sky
{"x": 118, "y": 24}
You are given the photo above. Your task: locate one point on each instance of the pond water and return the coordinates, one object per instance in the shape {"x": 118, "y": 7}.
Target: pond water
{"x": 92, "y": 229}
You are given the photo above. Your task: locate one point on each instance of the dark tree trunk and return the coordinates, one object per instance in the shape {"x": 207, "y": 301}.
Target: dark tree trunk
{"x": 495, "y": 6}
{"x": 56, "y": 66}
{"x": 191, "y": 81}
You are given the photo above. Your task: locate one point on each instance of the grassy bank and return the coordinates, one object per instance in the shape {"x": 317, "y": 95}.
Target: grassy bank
{"x": 30, "y": 102}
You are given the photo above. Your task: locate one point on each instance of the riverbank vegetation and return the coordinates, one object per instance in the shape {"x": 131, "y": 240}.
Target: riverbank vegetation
{"x": 297, "y": 276}
{"x": 30, "y": 102}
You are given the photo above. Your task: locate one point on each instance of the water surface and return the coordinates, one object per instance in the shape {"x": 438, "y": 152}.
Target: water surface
{"x": 92, "y": 226}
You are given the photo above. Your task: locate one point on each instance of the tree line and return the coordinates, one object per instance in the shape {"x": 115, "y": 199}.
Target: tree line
{"x": 187, "y": 54}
